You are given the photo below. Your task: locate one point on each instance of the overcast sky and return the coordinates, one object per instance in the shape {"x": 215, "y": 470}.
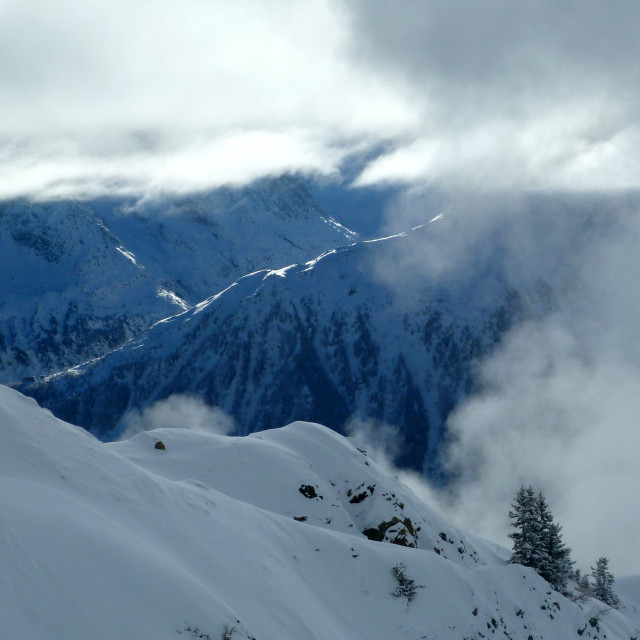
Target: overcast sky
{"x": 147, "y": 95}
{"x": 495, "y": 98}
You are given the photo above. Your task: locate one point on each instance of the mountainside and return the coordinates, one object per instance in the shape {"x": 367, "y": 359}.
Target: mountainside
{"x": 288, "y": 534}
{"x": 79, "y": 279}
{"x": 320, "y": 341}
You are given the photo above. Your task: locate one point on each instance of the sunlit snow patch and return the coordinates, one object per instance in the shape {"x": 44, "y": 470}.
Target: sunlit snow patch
{"x": 314, "y": 262}
{"x": 128, "y": 255}
{"x": 282, "y": 273}
{"x": 395, "y": 235}
{"x": 161, "y": 292}
{"x": 441, "y": 215}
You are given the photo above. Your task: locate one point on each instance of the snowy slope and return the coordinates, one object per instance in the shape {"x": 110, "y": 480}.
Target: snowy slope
{"x": 319, "y": 341}
{"x": 79, "y": 279}
{"x": 129, "y": 541}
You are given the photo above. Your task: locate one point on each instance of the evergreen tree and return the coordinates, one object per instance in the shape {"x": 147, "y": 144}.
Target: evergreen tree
{"x": 584, "y": 586}
{"x": 528, "y": 547}
{"x": 582, "y": 583}
{"x": 537, "y": 541}
{"x": 557, "y": 564}
{"x": 603, "y": 583}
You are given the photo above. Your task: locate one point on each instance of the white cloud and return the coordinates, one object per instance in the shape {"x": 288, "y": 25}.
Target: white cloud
{"x": 567, "y": 425}
{"x": 118, "y": 95}
{"x": 99, "y": 96}
{"x": 177, "y": 412}
{"x": 379, "y": 438}
{"x": 567, "y": 150}
{"x": 557, "y": 404}
{"x": 559, "y": 400}
{"x": 513, "y": 95}
{"x": 62, "y": 168}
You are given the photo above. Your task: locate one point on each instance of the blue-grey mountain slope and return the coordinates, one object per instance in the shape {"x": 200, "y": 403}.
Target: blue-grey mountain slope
{"x": 79, "y": 279}
{"x": 323, "y": 341}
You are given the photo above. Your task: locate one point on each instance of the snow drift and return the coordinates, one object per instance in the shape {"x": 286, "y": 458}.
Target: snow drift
{"x": 285, "y": 534}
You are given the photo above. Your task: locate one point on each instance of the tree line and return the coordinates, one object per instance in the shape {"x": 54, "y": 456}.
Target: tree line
{"x": 537, "y": 543}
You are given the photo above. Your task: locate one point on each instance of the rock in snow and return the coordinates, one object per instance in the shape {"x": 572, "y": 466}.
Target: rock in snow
{"x": 259, "y": 537}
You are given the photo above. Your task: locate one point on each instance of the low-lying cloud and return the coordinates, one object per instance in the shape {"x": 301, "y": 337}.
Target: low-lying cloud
{"x": 558, "y": 401}
{"x": 564, "y": 421}
{"x": 537, "y": 95}
{"x": 179, "y": 411}
{"x": 381, "y": 439}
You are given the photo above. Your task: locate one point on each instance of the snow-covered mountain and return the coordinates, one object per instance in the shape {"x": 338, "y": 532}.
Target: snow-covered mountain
{"x": 319, "y": 341}
{"x": 79, "y": 279}
{"x": 287, "y": 534}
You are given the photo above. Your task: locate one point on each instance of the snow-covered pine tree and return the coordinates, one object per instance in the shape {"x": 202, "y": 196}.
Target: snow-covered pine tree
{"x": 537, "y": 541}
{"x": 602, "y": 584}
{"x": 583, "y": 586}
{"x": 556, "y": 565}
{"x": 528, "y": 544}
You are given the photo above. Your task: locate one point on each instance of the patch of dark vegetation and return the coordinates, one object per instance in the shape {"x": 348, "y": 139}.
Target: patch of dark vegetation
{"x": 309, "y": 491}
{"x": 160, "y": 445}
{"x": 406, "y": 587}
{"x": 196, "y": 633}
{"x": 300, "y": 518}
{"x": 360, "y": 495}
{"x": 227, "y": 632}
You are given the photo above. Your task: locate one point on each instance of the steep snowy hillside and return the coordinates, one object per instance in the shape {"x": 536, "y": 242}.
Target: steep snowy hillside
{"x": 77, "y": 280}
{"x": 320, "y": 341}
{"x": 68, "y": 287}
{"x": 263, "y": 537}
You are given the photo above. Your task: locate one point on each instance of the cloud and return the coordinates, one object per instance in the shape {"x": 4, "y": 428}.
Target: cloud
{"x": 564, "y": 150}
{"x": 533, "y": 95}
{"x": 558, "y": 402}
{"x": 135, "y": 96}
{"x": 128, "y": 97}
{"x": 177, "y": 412}
{"x": 477, "y": 240}
{"x": 381, "y": 439}
{"x": 66, "y": 169}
